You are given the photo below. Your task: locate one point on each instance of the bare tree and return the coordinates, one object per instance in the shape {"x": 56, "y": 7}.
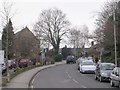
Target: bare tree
{"x": 103, "y": 19}
{"x": 6, "y": 12}
{"x": 78, "y": 37}
{"x": 107, "y": 31}
{"x": 85, "y": 35}
{"x": 52, "y": 25}
{"x": 74, "y": 37}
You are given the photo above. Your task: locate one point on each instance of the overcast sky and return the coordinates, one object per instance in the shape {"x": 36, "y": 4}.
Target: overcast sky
{"x": 78, "y": 12}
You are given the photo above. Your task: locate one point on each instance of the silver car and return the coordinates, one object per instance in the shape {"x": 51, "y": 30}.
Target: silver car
{"x": 103, "y": 71}
{"x": 79, "y": 60}
{"x": 87, "y": 66}
{"x": 115, "y": 77}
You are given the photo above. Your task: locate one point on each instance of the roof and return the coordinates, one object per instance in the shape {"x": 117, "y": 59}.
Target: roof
{"x": 96, "y": 46}
{"x": 25, "y": 32}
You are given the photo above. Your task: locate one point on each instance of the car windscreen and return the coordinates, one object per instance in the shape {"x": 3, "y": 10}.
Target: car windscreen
{"x": 87, "y": 63}
{"x": 107, "y": 67}
{"x": 70, "y": 57}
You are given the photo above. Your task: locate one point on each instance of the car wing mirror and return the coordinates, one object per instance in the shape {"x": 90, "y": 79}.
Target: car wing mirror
{"x": 116, "y": 74}
{"x": 98, "y": 68}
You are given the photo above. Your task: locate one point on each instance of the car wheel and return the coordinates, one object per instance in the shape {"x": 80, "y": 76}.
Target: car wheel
{"x": 101, "y": 79}
{"x": 82, "y": 71}
{"x": 111, "y": 83}
{"x": 119, "y": 85}
{"x": 96, "y": 77}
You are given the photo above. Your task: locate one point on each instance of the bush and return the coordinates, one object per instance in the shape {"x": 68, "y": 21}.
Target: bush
{"x": 58, "y": 57}
{"x": 17, "y": 72}
{"x": 50, "y": 59}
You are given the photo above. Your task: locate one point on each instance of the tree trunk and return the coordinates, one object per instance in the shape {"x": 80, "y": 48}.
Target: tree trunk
{"x": 56, "y": 49}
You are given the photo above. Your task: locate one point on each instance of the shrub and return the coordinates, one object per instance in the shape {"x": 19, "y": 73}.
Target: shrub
{"x": 58, "y": 57}
{"x": 50, "y": 59}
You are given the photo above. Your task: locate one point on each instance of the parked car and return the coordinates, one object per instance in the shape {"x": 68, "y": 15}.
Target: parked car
{"x": 23, "y": 63}
{"x": 11, "y": 64}
{"x": 3, "y": 67}
{"x": 70, "y": 59}
{"x": 90, "y": 58}
{"x": 79, "y": 60}
{"x": 115, "y": 77}
{"x": 87, "y": 66}
{"x": 103, "y": 71}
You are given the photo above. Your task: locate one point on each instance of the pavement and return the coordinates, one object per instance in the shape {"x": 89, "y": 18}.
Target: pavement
{"x": 22, "y": 80}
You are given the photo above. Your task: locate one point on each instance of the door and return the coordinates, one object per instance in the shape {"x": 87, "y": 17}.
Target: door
{"x": 115, "y": 77}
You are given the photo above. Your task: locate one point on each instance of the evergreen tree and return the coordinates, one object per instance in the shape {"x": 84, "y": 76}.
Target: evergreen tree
{"x": 8, "y": 33}
{"x": 65, "y": 52}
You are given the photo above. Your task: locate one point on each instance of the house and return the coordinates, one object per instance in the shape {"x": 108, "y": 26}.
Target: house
{"x": 95, "y": 50}
{"x": 77, "y": 52}
{"x": 26, "y": 44}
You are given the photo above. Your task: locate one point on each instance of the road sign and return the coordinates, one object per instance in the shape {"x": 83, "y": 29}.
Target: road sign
{"x": 1, "y": 56}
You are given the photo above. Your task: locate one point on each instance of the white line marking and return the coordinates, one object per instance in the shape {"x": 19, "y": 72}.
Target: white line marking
{"x": 68, "y": 75}
{"x": 67, "y": 72}
{"x": 32, "y": 82}
{"x": 75, "y": 81}
{"x": 83, "y": 86}
{"x": 32, "y": 87}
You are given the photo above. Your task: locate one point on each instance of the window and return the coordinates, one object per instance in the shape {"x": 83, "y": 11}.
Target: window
{"x": 107, "y": 67}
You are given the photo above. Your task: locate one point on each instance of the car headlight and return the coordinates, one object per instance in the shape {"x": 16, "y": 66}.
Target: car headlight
{"x": 103, "y": 74}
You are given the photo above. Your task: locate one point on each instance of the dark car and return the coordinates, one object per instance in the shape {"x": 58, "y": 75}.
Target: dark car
{"x": 70, "y": 59}
{"x": 23, "y": 63}
{"x": 115, "y": 77}
{"x": 103, "y": 71}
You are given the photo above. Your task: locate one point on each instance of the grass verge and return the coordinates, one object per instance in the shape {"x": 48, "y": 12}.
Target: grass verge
{"x": 17, "y": 72}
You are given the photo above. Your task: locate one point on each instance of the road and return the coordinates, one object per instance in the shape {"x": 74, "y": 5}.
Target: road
{"x": 66, "y": 76}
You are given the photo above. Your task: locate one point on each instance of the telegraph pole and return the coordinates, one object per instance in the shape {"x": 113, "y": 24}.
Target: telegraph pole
{"x": 7, "y": 44}
{"x": 115, "y": 45}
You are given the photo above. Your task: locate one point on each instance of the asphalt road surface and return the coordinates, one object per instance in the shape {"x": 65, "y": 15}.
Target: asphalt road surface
{"x": 66, "y": 76}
